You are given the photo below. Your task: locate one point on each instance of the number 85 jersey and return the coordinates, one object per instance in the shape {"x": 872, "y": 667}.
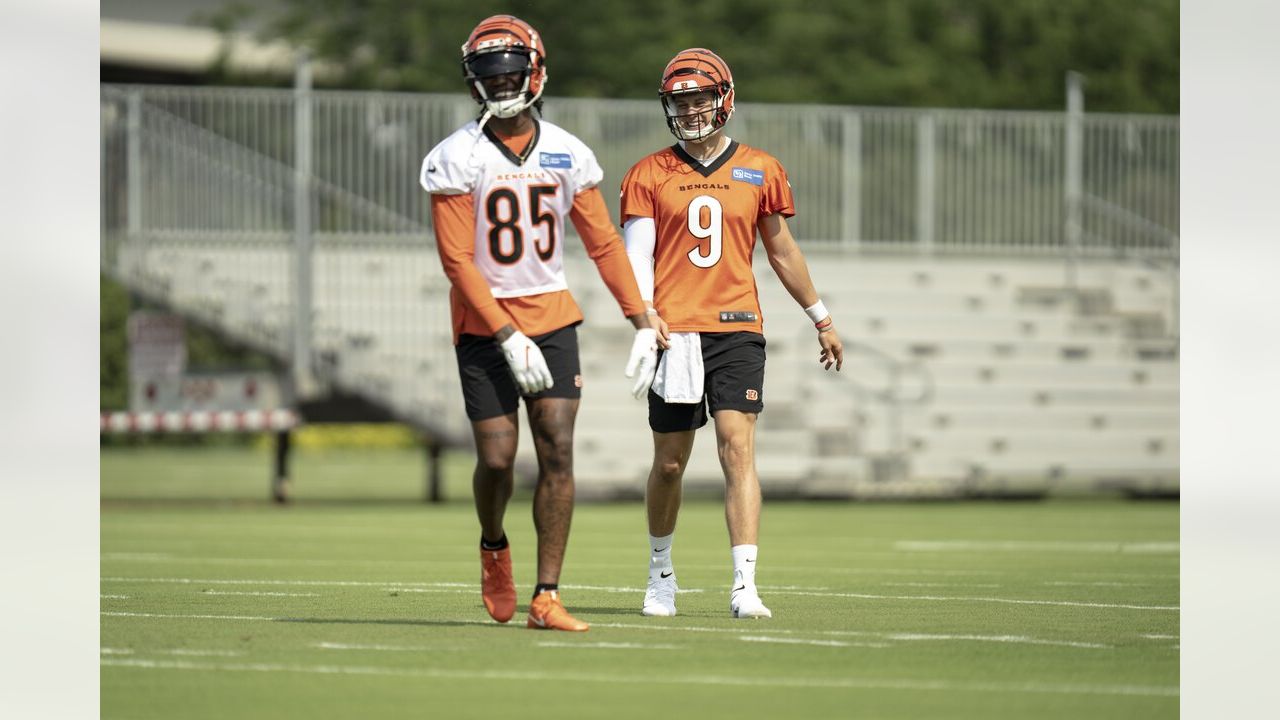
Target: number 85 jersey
{"x": 520, "y": 201}
{"x": 705, "y": 220}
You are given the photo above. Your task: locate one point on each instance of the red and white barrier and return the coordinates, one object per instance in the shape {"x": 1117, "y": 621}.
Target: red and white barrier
{"x": 203, "y": 421}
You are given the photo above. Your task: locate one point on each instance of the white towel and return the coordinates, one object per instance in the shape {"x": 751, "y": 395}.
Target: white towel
{"x": 680, "y": 374}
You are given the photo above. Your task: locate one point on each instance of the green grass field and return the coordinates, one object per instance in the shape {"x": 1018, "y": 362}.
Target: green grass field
{"x": 359, "y": 601}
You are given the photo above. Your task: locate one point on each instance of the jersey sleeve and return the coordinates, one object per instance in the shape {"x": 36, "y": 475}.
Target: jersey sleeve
{"x": 636, "y": 195}
{"x": 776, "y": 197}
{"x": 444, "y": 172}
{"x": 586, "y": 171}
{"x": 591, "y": 218}
{"x": 454, "y": 220}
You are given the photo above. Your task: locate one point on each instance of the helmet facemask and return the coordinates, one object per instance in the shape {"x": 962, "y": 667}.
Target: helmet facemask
{"x": 675, "y": 114}
{"x": 478, "y": 67}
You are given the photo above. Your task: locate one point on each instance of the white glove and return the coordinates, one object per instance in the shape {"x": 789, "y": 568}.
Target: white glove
{"x": 526, "y": 363}
{"x": 643, "y": 362}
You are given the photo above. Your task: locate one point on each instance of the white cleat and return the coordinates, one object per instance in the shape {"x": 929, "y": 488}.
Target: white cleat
{"x": 660, "y": 595}
{"x": 746, "y": 603}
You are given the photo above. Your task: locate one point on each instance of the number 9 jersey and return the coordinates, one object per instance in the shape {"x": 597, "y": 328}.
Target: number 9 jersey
{"x": 705, "y": 220}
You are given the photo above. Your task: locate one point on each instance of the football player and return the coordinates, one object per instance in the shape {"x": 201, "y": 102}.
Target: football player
{"x": 500, "y": 188}
{"x": 690, "y": 214}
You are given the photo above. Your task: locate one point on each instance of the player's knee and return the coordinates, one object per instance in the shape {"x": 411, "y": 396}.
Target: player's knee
{"x": 497, "y": 461}
{"x": 669, "y": 469}
{"x": 735, "y": 453}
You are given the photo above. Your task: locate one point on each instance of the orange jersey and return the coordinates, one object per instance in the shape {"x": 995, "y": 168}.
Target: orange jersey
{"x": 705, "y": 224}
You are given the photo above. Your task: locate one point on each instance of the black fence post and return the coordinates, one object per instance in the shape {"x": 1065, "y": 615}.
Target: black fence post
{"x": 280, "y": 475}
{"x": 435, "y": 493}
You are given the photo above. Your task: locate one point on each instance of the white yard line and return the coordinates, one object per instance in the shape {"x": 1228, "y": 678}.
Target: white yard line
{"x": 425, "y": 587}
{"x": 187, "y": 652}
{"x": 607, "y": 645}
{"x": 135, "y": 556}
{"x": 113, "y": 597}
{"x": 1159, "y": 637}
{"x": 258, "y": 594}
{"x": 899, "y": 636}
{"x": 801, "y": 641}
{"x": 835, "y": 683}
{"x": 1017, "y": 639}
{"x": 1064, "y": 583}
{"x": 1035, "y": 546}
{"x": 384, "y": 648}
{"x": 317, "y": 583}
{"x": 1010, "y": 601}
{"x": 189, "y": 616}
{"x": 919, "y": 584}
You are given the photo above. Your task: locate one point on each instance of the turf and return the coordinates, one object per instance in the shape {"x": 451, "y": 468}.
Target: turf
{"x": 360, "y": 601}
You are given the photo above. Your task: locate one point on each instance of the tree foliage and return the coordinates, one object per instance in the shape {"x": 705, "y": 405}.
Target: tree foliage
{"x": 940, "y": 53}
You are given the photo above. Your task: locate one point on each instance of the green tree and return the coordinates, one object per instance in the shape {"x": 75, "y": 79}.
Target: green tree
{"x": 942, "y": 53}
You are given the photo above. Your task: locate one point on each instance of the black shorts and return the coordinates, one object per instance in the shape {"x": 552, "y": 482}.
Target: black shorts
{"x": 490, "y": 390}
{"x": 734, "y": 380}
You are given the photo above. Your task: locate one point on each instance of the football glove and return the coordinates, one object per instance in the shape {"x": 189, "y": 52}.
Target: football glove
{"x": 643, "y": 362}
{"x": 526, "y": 363}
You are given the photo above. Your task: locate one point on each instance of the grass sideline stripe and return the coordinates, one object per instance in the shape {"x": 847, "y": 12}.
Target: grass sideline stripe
{"x": 631, "y": 679}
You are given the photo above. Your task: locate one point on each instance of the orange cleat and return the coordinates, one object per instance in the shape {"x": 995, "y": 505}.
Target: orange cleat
{"x": 546, "y": 613}
{"x": 496, "y": 585}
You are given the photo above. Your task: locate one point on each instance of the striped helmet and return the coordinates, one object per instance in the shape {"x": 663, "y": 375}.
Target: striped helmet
{"x": 696, "y": 71}
{"x": 499, "y": 45}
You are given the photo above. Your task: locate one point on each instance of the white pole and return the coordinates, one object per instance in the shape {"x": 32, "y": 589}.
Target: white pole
{"x": 133, "y": 165}
{"x": 926, "y": 181}
{"x": 302, "y": 380}
{"x": 851, "y": 181}
{"x": 1074, "y": 181}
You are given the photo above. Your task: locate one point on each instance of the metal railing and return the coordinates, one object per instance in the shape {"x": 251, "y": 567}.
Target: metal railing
{"x": 205, "y": 190}
{"x": 922, "y": 181}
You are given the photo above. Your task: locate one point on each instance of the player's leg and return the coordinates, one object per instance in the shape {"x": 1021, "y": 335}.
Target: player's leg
{"x": 491, "y": 485}
{"x": 735, "y": 443}
{"x": 551, "y": 418}
{"x": 491, "y": 401}
{"x": 551, "y": 422}
{"x": 492, "y": 481}
{"x": 674, "y": 426}
{"x": 662, "y": 504}
{"x": 735, "y": 370}
{"x": 736, "y": 446}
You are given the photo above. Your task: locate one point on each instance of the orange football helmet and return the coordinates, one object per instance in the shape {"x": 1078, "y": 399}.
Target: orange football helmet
{"x": 499, "y": 45}
{"x": 690, "y": 71}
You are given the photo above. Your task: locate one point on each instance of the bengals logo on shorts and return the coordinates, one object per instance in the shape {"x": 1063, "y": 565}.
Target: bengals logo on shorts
{"x": 577, "y": 381}
{"x": 753, "y": 395}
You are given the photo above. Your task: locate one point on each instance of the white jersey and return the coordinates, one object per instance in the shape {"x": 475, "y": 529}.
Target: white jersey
{"x": 520, "y": 203}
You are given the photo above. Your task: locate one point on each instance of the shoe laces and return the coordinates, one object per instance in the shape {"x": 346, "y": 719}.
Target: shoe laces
{"x": 663, "y": 590}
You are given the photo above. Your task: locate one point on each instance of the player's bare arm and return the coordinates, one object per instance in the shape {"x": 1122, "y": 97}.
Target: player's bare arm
{"x": 788, "y": 262}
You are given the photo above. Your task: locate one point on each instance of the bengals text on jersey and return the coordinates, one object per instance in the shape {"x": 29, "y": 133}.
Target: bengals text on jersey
{"x": 705, "y": 221}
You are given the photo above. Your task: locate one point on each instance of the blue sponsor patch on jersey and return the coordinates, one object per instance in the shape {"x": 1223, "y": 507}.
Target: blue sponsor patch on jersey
{"x": 555, "y": 160}
{"x": 747, "y": 175}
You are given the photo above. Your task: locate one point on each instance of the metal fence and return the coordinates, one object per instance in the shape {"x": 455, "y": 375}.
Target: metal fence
{"x": 220, "y": 160}
{"x": 294, "y": 221}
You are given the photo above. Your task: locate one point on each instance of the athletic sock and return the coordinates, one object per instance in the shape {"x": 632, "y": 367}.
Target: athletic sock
{"x": 496, "y": 545}
{"x": 543, "y": 587}
{"x": 744, "y": 565}
{"x": 660, "y": 551}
